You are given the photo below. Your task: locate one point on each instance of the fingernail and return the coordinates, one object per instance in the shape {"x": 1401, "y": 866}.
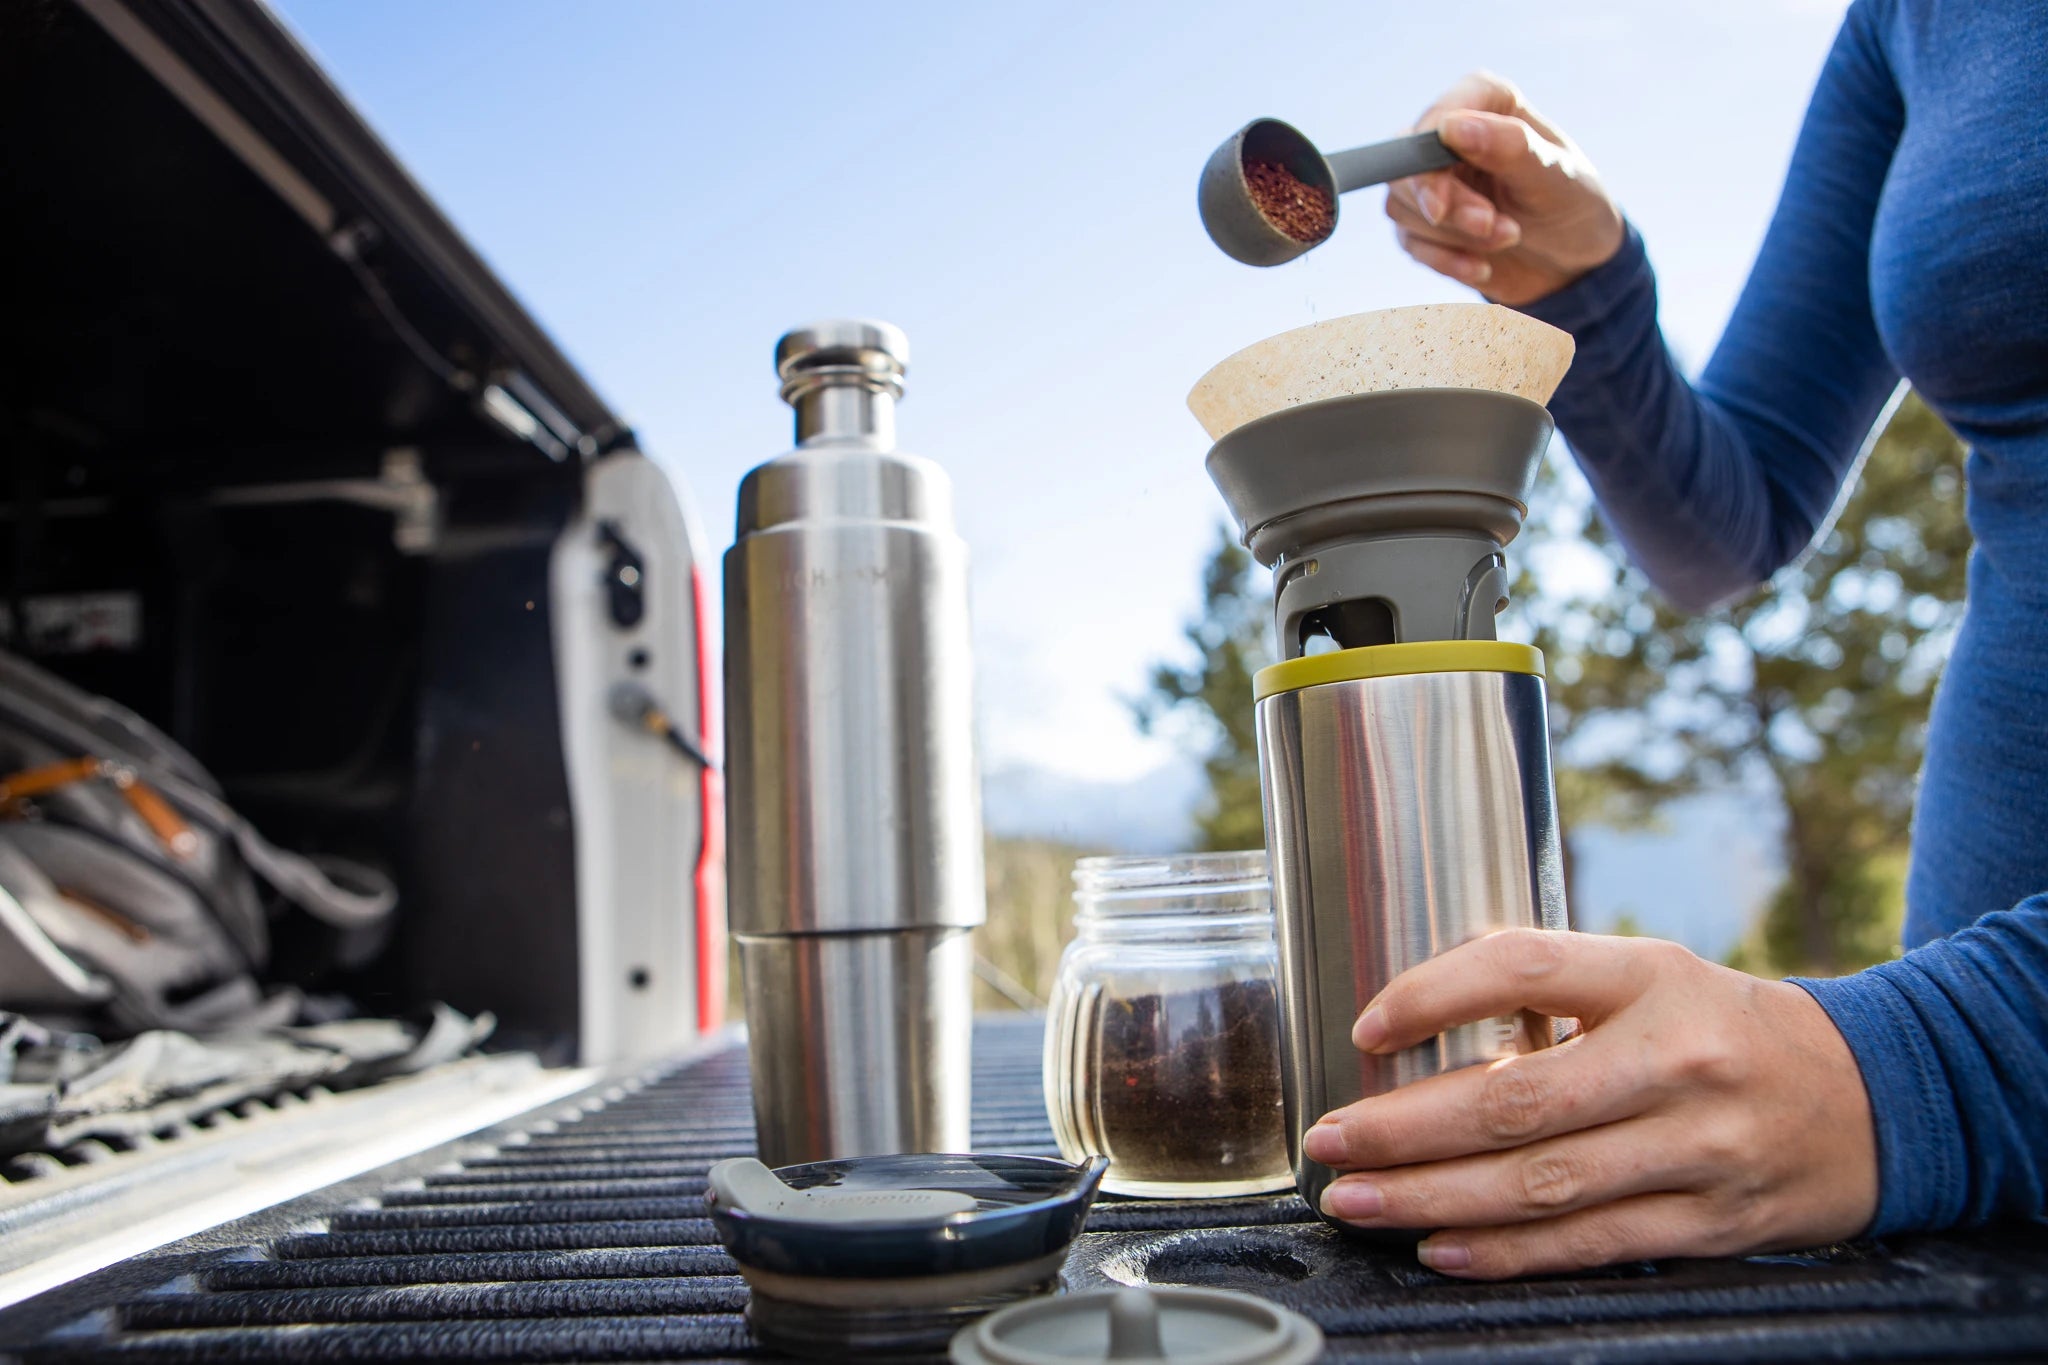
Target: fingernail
{"x": 1462, "y": 130}
{"x": 1438, "y": 1254}
{"x": 1479, "y": 272}
{"x": 1324, "y": 1143}
{"x": 1431, "y": 203}
{"x": 1353, "y": 1200}
{"x": 1506, "y": 231}
{"x": 1475, "y": 220}
{"x": 1370, "y": 1030}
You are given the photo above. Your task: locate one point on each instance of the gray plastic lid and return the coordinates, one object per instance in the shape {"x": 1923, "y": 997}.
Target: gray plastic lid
{"x": 1177, "y": 1325}
{"x": 743, "y": 1182}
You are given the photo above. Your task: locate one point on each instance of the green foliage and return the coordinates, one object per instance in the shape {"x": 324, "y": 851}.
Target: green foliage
{"x": 1212, "y": 694}
{"x": 1817, "y": 685}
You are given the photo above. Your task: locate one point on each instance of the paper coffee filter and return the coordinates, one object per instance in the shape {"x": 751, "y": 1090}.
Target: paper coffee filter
{"x": 1426, "y": 346}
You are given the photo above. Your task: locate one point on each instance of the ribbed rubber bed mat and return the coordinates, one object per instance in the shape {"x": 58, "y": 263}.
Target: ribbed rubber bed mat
{"x": 576, "y": 1234}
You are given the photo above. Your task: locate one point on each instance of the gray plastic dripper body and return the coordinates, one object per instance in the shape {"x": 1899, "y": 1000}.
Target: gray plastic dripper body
{"x": 1384, "y": 516}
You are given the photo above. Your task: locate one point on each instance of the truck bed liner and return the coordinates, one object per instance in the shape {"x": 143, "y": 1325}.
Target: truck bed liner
{"x": 572, "y": 1233}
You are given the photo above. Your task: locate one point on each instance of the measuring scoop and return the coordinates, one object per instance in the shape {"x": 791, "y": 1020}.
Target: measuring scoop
{"x": 1232, "y": 215}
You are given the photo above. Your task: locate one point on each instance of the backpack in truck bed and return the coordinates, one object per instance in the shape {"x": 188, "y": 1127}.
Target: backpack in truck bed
{"x": 129, "y": 889}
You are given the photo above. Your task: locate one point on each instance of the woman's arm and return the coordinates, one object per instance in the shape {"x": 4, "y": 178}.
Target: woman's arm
{"x": 1712, "y": 487}
{"x": 1950, "y": 1042}
{"x": 1702, "y": 1111}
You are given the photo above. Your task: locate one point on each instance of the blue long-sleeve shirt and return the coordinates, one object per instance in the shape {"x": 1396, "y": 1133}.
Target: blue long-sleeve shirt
{"x": 1911, "y": 240}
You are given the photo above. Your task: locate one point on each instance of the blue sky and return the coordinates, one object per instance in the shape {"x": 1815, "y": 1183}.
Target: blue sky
{"x": 670, "y": 185}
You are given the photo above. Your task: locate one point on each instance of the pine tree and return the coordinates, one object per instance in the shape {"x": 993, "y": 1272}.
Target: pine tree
{"x": 1817, "y": 687}
{"x": 1214, "y": 693}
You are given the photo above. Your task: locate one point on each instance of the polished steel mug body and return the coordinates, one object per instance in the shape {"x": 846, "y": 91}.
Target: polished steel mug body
{"x": 881, "y": 1022}
{"x": 1405, "y": 815}
{"x": 853, "y": 801}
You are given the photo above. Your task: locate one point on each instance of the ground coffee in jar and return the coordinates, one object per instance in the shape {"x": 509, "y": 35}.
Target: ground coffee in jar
{"x": 1163, "y": 1042}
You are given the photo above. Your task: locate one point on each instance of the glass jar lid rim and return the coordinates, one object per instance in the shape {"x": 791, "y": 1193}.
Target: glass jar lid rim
{"x": 1231, "y": 919}
{"x": 1165, "y": 872}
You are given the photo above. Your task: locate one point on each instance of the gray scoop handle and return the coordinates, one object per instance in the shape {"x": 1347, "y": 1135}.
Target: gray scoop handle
{"x": 1394, "y": 159}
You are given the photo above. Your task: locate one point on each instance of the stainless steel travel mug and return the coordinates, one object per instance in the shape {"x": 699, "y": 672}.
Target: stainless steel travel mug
{"x": 853, "y": 799}
{"x": 1405, "y": 769}
{"x": 1409, "y": 808}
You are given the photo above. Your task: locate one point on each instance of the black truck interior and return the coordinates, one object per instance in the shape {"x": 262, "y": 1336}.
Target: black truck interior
{"x": 268, "y": 408}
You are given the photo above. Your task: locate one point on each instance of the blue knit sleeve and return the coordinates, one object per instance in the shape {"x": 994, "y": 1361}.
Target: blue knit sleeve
{"x": 1712, "y": 488}
{"x": 1949, "y": 1040}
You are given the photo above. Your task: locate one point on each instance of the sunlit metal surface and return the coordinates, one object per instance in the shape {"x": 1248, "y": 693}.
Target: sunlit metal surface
{"x": 1404, "y": 816}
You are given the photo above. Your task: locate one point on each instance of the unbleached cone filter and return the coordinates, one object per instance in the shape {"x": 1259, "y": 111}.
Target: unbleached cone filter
{"x": 1425, "y": 346}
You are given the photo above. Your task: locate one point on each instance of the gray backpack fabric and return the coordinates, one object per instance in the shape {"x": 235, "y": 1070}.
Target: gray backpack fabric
{"x": 104, "y": 924}
{"x": 61, "y": 1093}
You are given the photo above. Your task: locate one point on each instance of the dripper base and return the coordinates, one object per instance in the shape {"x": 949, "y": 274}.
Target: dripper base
{"x": 1402, "y": 499}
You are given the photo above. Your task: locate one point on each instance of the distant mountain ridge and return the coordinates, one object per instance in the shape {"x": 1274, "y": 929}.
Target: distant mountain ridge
{"x": 1698, "y": 879}
{"x": 1150, "y": 813}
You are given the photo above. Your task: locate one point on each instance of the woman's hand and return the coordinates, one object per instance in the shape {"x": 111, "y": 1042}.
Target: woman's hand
{"x": 1700, "y": 1112}
{"x": 1522, "y": 216}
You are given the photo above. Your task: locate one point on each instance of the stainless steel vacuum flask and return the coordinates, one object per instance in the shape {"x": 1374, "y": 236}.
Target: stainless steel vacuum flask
{"x": 854, "y": 803}
{"x": 1405, "y": 768}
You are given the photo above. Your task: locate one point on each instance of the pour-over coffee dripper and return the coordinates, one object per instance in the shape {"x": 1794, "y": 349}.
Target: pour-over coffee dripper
{"x": 1384, "y": 515}
{"x": 1403, "y": 750}
{"x": 1380, "y": 463}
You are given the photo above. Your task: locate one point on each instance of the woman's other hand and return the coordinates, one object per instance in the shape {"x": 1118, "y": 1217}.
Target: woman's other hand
{"x": 1522, "y": 216}
{"x": 1699, "y": 1112}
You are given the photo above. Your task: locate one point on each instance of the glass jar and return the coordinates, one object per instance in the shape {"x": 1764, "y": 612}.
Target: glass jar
{"x": 1162, "y": 1044}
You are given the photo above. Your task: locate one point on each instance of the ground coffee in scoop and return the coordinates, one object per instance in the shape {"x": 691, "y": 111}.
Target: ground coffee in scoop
{"x": 1305, "y": 212}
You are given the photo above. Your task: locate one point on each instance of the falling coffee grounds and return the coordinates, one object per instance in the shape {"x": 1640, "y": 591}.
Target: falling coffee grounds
{"x": 1189, "y": 1089}
{"x": 1304, "y": 212}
